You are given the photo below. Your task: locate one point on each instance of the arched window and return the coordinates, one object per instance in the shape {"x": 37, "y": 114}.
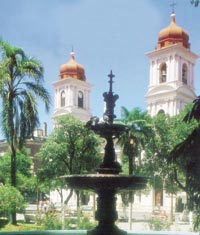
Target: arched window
{"x": 62, "y": 99}
{"x": 163, "y": 73}
{"x": 80, "y": 99}
{"x": 161, "y": 111}
{"x": 184, "y": 74}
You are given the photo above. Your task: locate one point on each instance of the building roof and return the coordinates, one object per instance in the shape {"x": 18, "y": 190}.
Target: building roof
{"x": 72, "y": 69}
{"x": 173, "y": 34}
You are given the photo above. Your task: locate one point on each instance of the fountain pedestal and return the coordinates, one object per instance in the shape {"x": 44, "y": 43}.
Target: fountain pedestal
{"x": 106, "y": 214}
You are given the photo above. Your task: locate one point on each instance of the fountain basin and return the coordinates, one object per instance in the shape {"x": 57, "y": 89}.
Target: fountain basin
{"x": 99, "y": 182}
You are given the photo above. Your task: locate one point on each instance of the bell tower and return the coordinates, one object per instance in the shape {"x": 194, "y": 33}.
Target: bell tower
{"x": 72, "y": 92}
{"x": 171, "y": 83}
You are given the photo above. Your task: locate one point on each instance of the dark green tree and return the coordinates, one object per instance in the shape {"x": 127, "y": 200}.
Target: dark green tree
{"x": 11, "y": 200}
{"x": 186, "y": 159}
{"x": 21, "y": 83}
{"x": 167, "y": 133}
{"x": 70, "y": 149}
{"x": 26, "y": 181}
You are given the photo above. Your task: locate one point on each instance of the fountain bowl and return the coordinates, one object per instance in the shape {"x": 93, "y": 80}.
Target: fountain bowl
{"x": 98, "y": 182}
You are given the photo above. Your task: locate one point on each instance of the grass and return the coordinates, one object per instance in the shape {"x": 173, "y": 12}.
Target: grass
{"x": 5, "y": 226}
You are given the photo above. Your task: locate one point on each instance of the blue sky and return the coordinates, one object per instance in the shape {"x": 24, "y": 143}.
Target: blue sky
{"x": 105, "y": 34}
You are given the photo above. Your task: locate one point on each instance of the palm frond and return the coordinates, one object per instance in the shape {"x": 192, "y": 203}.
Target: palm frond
{"x": 195, "y": 111}
{"x": 40, "y": 92}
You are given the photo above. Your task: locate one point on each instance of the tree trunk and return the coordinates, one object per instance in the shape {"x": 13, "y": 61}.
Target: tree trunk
{"x": 131, "y": 200}
{"x": 62, "y": 210}
{"x": 130, "y": 165}
{"x": 130, "y": 193}
{"x": 94, "y": 204}
{"x": 11, "y": 142}
{"x": 172, "y": 208}
{"x": 13, "y": 176}
{"x": 130, "y": 215}
{"x": 13, "y": 167}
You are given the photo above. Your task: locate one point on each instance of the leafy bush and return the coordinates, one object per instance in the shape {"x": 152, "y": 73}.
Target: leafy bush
{"x": 10, "y": 200}
{"x": 82, "y": 222}
{"x": 49, "y": 221}
{"x": 158, "y": 224}
{"x": 52, "y": 221}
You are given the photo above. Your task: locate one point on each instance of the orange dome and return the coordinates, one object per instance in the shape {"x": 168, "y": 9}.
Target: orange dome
{"x": 173, "y": 34}
{"x": 72, "y": 69}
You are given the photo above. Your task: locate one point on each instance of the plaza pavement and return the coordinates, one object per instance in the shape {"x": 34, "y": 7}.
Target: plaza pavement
{"x": 144, "y": 227}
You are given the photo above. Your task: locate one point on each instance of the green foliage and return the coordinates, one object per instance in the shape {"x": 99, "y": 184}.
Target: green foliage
{"x": 10, "y": 200}
{"x": 5, "y": 226}
{"x": 167, "y": 133}
{"x": 82, "y": 222}
{"x": 50, "y": 221}
{"x": 21, "y": 82}
{"x": 21, "y": 85}
{"x": 133, "y": 140}
{"x": 196, "y": 221}
{"x": 71, "y": 149}
{"x": 189, "y": 150}
{"x": 26, "y": 182}
{"x": 158, "y": 224}
{"x": 195, "y": 2}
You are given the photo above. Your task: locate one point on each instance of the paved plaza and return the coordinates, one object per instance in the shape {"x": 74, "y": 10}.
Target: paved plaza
{"x": 144, "y": 227}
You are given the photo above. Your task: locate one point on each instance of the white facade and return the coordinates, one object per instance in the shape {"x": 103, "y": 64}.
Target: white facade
{"x": 72, "y": 96}
{"x": 171, "y": 83}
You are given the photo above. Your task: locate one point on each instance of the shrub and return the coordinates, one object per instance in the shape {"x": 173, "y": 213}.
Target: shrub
{"x": 10, "y": 200}
{"x": 159, "y": 224}
{"x": 49, "y": 221}
{"x": 82, "y": 222}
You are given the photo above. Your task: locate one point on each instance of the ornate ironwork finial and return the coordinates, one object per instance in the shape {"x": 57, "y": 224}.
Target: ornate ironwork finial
{"x": 110, "y": 100}
{"x": 111, "y": 76}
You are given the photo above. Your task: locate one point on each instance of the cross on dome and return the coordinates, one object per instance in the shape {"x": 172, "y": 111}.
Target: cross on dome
{"x": 172, "y": 5}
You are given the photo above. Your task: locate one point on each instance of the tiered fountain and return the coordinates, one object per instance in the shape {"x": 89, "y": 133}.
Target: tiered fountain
{"x": 107, "y": 181}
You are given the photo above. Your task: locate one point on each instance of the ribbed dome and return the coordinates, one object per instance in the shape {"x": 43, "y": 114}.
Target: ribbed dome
{"x": 72, "y": 69}
{"x": 173, "y": 34}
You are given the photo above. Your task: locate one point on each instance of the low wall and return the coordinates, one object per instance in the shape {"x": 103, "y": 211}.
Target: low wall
{"x": 83, "y": 232}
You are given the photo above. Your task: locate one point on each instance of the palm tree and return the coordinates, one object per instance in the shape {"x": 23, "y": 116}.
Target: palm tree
{"x": 21, "y": 83}
{"x": 132, "y": 141}
{"x": 195, "y": 2}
